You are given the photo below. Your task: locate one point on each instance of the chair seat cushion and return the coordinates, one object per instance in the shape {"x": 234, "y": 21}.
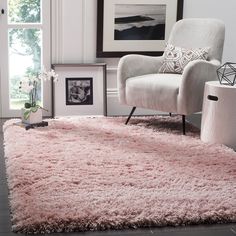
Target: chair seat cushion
{"x": 154, "y": 91}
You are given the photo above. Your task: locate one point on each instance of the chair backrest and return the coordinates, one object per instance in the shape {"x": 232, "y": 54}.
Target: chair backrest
{"x": 198, "y": 33}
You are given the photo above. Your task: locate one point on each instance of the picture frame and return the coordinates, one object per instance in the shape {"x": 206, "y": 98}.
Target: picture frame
{"x": 135, "y": 26}
{"x": 80, "y": 90}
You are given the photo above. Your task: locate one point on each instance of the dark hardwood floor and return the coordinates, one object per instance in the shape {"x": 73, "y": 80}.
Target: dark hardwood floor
{"x": 200, "y": 230}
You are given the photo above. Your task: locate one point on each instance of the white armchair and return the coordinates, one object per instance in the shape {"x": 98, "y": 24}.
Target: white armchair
{"x": 140, "y": 84}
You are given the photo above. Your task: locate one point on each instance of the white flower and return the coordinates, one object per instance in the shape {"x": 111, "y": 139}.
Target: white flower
{"x": 25, "y": 87}
{"x": 44, "y": 75}
{"x": 30, "y": 84}
{"x": 53, "y": 74}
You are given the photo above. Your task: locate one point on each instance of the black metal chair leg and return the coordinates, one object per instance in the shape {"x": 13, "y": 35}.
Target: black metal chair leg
{"x": 131, "y": 113}
{"x": 183, "y": 122}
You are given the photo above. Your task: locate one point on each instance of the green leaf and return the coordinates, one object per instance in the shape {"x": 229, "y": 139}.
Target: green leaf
{"x": 34, "y": 109}
{"x": 27, "y": 114}
{"x": 27, "y": 105}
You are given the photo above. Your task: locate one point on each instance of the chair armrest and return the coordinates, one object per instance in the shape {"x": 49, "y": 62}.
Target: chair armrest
{"x": 135, "y": 65}
{"x": 195, "y": 74}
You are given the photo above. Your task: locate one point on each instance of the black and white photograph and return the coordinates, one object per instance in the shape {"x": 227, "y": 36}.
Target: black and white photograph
{"x": 140, "y": 22}
{"x": 79, "y": 91}
{"x": 135, "y": 26}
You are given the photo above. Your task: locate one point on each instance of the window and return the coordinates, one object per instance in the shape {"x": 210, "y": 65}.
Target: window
{"x": 26, "y": 35}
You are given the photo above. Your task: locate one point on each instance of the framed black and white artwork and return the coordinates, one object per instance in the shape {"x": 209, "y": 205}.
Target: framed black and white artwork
{"x": 135, "y": 26}
{"x": 80, "y": 90}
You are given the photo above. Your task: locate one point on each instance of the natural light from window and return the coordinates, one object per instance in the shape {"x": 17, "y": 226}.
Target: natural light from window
{"x": 25, "y": 47}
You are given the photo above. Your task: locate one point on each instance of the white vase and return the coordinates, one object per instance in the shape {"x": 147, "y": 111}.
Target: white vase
{"x": 34, "y": 117}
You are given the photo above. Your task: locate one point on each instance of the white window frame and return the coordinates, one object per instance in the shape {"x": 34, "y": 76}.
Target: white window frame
{"x": 45, "y": 26}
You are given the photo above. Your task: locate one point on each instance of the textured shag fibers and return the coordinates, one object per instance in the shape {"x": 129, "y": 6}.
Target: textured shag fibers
{"x": 97, "y": 173}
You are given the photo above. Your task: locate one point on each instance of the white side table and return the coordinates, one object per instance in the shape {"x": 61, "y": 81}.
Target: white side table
{"x": 219, "y": 114}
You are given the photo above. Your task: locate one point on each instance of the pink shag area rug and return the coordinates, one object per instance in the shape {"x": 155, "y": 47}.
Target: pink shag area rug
{"x": 82, "y": 174}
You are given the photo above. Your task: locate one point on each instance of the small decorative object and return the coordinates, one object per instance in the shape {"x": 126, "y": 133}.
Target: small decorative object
{"x": 227, "y": 73}
{"x": 31, "y": 126}
{"x": 32, "y": 112}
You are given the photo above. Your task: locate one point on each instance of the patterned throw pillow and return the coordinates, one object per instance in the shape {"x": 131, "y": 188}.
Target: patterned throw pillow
{"x": 176, "y": 58}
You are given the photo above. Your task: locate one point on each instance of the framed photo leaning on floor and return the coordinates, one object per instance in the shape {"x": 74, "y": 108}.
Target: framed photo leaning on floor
{"x": 80, "y": 90}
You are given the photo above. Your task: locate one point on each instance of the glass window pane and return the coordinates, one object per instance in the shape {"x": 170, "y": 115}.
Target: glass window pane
{"x": 24, "y": 61}
{"x": 24, "y": 11}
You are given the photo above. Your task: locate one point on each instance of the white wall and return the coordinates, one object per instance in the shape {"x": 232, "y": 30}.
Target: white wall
{"x": 74, "y": 36}
{"x": 224, "y": 10}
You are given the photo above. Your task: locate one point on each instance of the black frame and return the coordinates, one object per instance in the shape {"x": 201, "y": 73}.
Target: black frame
{"x": 101, "y": 53}
{"x": 90, "y": 79}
